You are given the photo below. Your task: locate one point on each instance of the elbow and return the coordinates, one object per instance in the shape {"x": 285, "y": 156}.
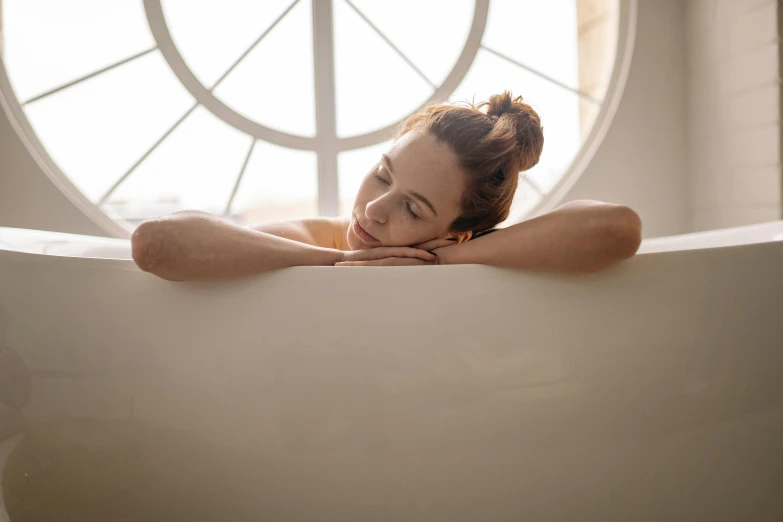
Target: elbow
{"x": 147, "y": 244}
{"x": 618, "y": 238}
{"x": 625, "y": 231}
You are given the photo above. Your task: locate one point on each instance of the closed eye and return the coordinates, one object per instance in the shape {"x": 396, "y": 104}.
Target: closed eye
{"x": 410, "y": 210}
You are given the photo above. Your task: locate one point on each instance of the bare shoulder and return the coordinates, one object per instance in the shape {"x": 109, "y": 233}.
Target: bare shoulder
{"x": 322, "y": 232}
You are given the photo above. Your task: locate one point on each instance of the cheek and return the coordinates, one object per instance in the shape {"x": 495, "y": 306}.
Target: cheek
{"x": 405, "y": 232}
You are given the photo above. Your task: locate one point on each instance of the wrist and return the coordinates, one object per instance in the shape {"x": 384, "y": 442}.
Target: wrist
{"x": 448, "y": 255}
{"x": 328, "y": 256}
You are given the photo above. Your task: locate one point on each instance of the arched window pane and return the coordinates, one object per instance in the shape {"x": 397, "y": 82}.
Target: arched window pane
{"x": 273, "y": 85}
{"x": 543, "y": 176}
{"x": 210, "y": 39}
{"x": 96, "y": 130}
{"x": 546, "y": 43}
{"x": 279, "y": 184}
{"x": 48, "y": 43}
{"x": 375, "y": 87}
{"x": 434, "y": 51}
{"x": 525, "y": 199}
{"x": 194, "y": 168}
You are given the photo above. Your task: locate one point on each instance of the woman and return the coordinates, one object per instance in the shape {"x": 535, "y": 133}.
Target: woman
{"x": 447, "y": 180}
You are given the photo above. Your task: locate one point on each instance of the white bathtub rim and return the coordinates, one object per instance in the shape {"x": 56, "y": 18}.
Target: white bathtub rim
{"x": 733, "y": 236}
{"x": 652, "y": 248}
{"x": 93, "y": 270}
{"x": 70, "y": 261}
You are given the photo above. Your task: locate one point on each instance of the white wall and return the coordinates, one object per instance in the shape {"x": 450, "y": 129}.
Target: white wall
{"x": 641, "y": 163}
{"x": 27, "y": 198}
{"x": 734, "y": 112}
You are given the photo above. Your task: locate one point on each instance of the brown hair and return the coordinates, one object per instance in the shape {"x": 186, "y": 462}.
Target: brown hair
{"x": 492, "y": 147}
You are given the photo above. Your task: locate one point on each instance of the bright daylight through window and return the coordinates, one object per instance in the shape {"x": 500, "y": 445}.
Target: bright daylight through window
{"x": 275, "y": 110}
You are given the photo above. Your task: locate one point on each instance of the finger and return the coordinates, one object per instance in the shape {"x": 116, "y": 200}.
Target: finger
{"x": 435, "y": 243}
{"x": 389, "y": 261}
{"x": 403, "y": 261}
{"x": 432, "y": 244}
{"x": 355, "y": 263}
{"x": 386, "y": 252}
{"x": 410, "y": 252}
{"x": 371, "y": 262}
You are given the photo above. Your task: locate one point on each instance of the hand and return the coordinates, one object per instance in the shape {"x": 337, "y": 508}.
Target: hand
{"x": 388, "y": 256}
{"x": 389, "y": 261}
{"x": 442, "y": 249}
{"x": 431, "y": 245}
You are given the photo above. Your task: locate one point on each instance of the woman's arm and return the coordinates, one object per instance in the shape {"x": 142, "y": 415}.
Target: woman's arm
{"x": 578, "y": 237}
{"x": 192, "y": 245}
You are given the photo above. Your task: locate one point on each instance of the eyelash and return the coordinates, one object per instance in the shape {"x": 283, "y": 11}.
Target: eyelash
{"x": 408, "y": 208}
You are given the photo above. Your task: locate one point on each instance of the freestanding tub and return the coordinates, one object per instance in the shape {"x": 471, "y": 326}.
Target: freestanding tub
{"x": 651, "y": 391}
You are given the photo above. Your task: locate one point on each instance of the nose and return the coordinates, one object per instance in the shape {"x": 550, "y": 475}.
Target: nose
{"x": 376, "y": 210}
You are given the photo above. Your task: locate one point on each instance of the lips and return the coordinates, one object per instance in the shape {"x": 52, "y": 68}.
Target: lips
{"x": 363, "y": 234}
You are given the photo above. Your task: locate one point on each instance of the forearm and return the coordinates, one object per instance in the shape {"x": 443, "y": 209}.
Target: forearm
{"x": 198, "y": 246}
{"x": 580, "y": 237}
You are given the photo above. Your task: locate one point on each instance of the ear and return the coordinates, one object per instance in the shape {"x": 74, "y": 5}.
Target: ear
{"x": 461, "y": 237}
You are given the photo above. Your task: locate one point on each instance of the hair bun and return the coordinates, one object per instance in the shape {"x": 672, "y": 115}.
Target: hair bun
{"x": 500, "y": 104}
{"x": 526, "y": 123}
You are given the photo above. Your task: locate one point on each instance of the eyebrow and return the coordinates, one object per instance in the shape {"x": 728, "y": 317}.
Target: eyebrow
{"x": 387, "y": 163}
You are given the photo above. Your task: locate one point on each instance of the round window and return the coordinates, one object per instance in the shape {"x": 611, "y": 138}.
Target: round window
{"x": 275, "y": 110}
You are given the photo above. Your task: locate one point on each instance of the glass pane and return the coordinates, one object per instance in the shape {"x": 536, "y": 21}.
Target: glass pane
{"x": 274, "y": 85}
{"x": 413, "y": 35}
{"x": 547, "y": 43}
{"x": 543, "y": 177}
{"x": 375, "y": 87}
{"x": 353, "y": 166}
{"x": 279, "y": 184}
{"x": 194, "y": 168}
{"x": 232, "y": 26}
{"x": 96, "y": 130}
{"x": 524, "y": 200}
{"x": 50, "y": 42}
{"x": 557, "y": 107}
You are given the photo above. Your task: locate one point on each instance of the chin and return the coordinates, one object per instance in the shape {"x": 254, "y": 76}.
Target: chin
{"x": 353, "y": 242}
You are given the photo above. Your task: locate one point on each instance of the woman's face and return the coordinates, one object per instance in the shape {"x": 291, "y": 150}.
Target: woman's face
{"x": 410, "y": 196}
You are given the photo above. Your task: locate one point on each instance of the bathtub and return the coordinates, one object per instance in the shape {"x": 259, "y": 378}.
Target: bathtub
{"x": 650, "y": 391}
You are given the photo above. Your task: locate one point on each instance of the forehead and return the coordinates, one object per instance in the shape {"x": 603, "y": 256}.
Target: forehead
{"x": 423, "y": 164}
